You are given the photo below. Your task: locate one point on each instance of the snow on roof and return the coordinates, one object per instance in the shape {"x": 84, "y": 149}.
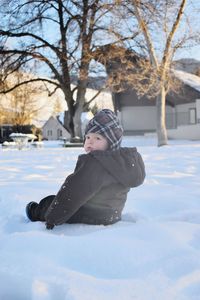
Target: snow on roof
{"x": 189, "y": 79}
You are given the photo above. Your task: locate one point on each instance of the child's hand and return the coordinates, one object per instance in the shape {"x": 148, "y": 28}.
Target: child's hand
{"x": 49, "y": 226}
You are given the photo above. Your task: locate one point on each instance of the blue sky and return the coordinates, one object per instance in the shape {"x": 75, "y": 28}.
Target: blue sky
{"x": 192, "y": 11}
{"x": 189, "y": 53}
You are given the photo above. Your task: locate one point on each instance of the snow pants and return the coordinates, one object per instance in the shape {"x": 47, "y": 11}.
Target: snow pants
{"x": 84, "y": 216}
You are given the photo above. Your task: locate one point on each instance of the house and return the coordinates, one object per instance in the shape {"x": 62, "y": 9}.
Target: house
{"x": 53, "y": 129}
{"x": 186, "y": 112}
{"x": 138, "y": 115}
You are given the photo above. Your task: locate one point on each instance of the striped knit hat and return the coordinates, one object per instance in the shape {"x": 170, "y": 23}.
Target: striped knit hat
{"x": 105, "y": 122}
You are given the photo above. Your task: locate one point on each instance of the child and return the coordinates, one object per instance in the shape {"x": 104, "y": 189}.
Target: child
{"x": 96, "y": 192}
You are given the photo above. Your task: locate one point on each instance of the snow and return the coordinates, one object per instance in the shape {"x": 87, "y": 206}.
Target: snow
{"x": 152, "y": 254}
{"x": 189, "y": 79}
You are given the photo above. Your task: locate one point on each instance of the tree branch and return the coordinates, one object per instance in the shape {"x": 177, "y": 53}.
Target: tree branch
{"x": 145, "y": 31}
{"x": 30, "y": 81}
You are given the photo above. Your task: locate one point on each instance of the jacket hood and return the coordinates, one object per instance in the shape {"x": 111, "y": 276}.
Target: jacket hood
{"x": 125, "y": 165}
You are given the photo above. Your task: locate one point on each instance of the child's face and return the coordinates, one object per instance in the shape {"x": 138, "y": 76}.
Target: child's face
{"x": 95, "y": 141}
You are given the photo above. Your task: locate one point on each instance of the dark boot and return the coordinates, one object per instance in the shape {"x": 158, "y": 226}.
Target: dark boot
{"x": 36, "y": 211}
{"x": 30, "y": 211}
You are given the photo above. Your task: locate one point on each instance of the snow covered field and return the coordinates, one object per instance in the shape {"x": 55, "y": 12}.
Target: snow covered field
{"x": 152, "y": 254}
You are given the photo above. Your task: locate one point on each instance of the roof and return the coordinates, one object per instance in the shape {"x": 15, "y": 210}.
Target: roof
{"x": 189, "y": 79}
{"x": 188, "y": 92}
{"x": 94, "y": 83}
{"x": 51, "y": 118}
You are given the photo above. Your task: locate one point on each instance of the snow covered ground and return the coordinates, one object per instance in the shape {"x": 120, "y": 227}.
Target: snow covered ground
{"x": 152, "y": 254}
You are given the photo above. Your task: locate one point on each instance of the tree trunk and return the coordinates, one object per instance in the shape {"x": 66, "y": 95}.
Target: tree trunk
{"x": 68, "y": 119}
{"x": 68, "y": 122}
{"x": 80, "y": 100}
{"x": 161, "y": 125}
{"x": 77, "y": 122}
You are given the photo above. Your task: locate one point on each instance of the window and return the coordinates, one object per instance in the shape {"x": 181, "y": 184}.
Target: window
{"x": 192, "y": 115}
{"x": 49, "y": 132}
{"x": 59, "y": 133}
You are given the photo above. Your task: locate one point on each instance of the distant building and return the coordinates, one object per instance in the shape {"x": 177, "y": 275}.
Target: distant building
{"x": 53, "y": 129}
{"x": 138, "y": 115}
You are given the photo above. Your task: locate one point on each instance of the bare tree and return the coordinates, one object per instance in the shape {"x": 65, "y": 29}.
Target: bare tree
{"x": 60, "y": 35}
{"x": 161, "y": 67}
{"x": 146, "y": 62}
{"x": 65, "y": 36}
{"x": 21, "y": 105}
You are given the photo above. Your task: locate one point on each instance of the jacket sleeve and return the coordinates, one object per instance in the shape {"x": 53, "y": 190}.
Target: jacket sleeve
{"x": 139, "y": 169}
{"x": 77, "y": 189}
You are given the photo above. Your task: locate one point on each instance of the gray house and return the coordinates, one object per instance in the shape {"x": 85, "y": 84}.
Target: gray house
{"x": 138, "y": 115}
{"x": 53, "y": 129}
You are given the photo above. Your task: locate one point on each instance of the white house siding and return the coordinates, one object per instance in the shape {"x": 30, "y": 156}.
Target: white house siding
{"x": 188, "y": 122}
{"x": 188, "y": 132}
{"x": 170, "y": 117}
{"x": 138, "y": 118}
{"x": 198, "y": 110}
{"x": 183, "y": 113}
{"x": 53, "y": 130}
{"x": 134, "y": 118}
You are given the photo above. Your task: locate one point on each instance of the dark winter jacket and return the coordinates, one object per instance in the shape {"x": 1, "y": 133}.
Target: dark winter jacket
{"x": 97, "y": 190}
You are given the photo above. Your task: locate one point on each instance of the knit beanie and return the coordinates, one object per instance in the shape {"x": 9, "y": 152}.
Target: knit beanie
{"x": 106, "y": 123}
